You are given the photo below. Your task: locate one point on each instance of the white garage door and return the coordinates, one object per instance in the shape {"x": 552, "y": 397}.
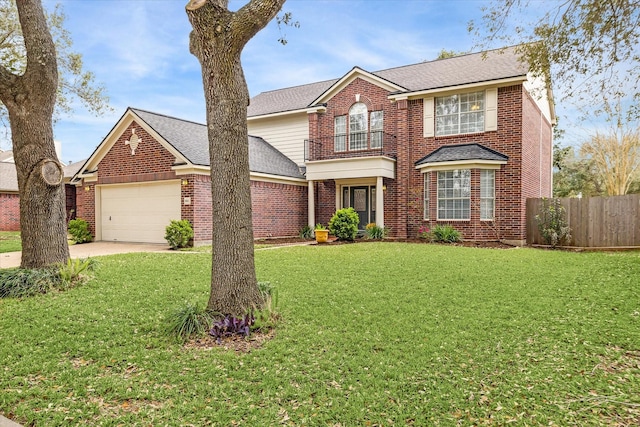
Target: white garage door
{"x": 138, "y": 212}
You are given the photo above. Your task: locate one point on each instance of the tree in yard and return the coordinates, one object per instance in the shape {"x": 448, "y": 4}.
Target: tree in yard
{"x": 217, "y": 40}
{"x": 615, "y": 156}
{"x": 588, "y": 47}
{"x": 29, "y": 87}
{"x": 574, "y": 175}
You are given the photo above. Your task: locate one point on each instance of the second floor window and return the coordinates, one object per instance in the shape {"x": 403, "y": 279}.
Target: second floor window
{"x": 360, "y": 130}
{"x": 462, "y": 113}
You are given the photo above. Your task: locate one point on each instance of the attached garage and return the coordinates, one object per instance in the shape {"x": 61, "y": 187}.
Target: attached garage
{"x": 151, "y": 169}
{"x": 137, "y": 212}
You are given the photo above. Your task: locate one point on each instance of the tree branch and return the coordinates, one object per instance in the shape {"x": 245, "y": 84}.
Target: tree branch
{"x": 42, "y": 67}
{"x": 254, "y": 16}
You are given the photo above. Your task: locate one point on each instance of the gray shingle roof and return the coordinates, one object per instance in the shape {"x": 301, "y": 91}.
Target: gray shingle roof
{"x": 8, "y": 177}
{"x": 192, "y": 141}
{"x": 441, "y": 73}
{"x": 290, "y": 99}
{"x": 458, "y": 152}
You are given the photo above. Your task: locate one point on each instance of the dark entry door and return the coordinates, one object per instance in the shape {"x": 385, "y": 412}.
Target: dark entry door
{"x": 360, "y": 199}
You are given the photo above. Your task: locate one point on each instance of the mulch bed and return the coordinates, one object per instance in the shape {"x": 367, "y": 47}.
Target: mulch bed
{"x": 298, "y": 240}
{"x": 237, "y": 343}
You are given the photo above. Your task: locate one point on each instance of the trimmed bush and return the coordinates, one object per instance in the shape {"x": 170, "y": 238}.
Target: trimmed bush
{"x": 344, "y": 224}
{"x": 79, "y": 231}
{"x": 178, "y": 233}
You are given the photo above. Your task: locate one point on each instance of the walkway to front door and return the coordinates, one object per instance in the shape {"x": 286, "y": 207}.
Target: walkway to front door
{"x": 363, "y": 200}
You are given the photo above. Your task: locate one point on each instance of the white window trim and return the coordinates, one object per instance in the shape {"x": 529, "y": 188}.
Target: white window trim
{"x": 490, "y": 112}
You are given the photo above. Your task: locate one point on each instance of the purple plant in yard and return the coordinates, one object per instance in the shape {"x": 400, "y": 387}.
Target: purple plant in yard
{"x": 231, "y": 325}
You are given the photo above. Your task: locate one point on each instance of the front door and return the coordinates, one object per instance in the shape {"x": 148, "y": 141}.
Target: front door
{"x": 362, "y": 200}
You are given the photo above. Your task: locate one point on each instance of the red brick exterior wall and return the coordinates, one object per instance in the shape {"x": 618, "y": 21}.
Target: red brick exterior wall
{"x": 279, "y": 210}
{"x": 10, "y": 208}
{"x": 523, "y": 134}
{"x": 9, "y": 212}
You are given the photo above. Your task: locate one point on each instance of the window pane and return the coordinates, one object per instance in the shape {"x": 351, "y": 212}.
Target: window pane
{"x": 340, "y": 133}
{"x": 377, "y": 126}
{"x": 426, "y": 196}
{"x": 454, "y": 194}
{"x": 462, "y": 113}
{"x": 487, "y": 194}
{"x": 358, "y": 127}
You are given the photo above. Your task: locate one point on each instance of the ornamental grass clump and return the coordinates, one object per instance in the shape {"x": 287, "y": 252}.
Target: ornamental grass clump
{"x": 188, "y": 321}
{"x": 375, "y": 232}
{"x": 22, "y": 282}
{"x": 445, "y": 234}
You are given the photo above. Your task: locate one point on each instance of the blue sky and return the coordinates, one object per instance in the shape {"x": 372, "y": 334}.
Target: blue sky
{"x": 138, "y": 49}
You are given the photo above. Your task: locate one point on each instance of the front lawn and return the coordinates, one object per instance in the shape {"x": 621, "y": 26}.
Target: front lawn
{"x": 373, "y": 334}
{"x": 10, "y": 241}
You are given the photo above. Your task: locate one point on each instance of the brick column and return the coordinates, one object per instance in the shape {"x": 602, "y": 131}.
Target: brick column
{"x": 403, "y": 168}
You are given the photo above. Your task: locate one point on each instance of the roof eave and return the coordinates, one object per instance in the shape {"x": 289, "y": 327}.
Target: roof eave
{"x": 485, "y": 83}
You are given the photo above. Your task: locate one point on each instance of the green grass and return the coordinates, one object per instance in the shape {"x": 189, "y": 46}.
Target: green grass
{"x": 10, "y": 241}
{"x": 372, "y": 334}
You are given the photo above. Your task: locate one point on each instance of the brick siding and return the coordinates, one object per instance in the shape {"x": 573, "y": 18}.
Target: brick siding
{"x": 279, "y": 210}
{"x": 9, "y": 212}
{"x": 523, "y": 134}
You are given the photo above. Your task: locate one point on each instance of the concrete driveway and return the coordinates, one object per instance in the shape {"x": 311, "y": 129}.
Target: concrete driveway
{"x": 93, "y": 249}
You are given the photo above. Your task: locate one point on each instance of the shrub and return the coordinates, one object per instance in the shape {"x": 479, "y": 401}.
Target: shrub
{"x": 425, "y": 234}
{"x": 445, "y": 234}
{"x": 188, "y": 321}
{"x": 22, "y": 282}
{"x": 375, "y": 232}
{"x": 79, "y": 231}
{"x": 344, "y": 224}
{"x": 231, "y": 325}
{"x": 306, "y": 232}
{"x": 552, "y": 224}
{"x": 178, "y": 233}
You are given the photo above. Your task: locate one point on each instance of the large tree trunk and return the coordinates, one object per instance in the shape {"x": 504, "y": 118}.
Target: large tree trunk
{"x": 30, "y": 99}
{"x": 217, "y": 40}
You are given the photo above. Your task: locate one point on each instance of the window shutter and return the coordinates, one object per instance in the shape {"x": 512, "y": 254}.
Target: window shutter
{"x": 428, "y": 123}
{"x": 491, "y": 110}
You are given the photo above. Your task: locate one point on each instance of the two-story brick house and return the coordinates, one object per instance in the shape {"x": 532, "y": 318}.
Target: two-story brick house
{"x": 462, "y": 141}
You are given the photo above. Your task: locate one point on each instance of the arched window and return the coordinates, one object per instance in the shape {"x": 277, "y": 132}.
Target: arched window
{"x": 363, "y": 129}
{"x": 358, "y": 127}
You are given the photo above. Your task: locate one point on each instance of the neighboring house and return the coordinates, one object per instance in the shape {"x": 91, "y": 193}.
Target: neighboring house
{"x": 461, "y": 141}
{"x": 151, "y": 169}
{"x": 10, "y": 198}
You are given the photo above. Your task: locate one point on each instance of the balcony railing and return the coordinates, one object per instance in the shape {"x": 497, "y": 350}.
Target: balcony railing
{"x": 362, "y": 144}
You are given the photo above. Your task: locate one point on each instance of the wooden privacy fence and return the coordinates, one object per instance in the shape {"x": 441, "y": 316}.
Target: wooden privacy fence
{"x": 594, "y": 221}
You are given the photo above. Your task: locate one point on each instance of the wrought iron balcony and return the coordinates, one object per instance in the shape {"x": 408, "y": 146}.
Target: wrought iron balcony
{"x": 362, "y": 144}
